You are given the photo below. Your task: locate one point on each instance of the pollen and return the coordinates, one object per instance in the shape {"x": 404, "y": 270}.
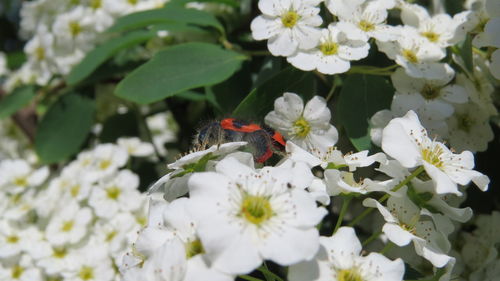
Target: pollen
{"x": 289, "y": 19}
{"x": 86, "y": 273}
{"x": 431, "y": 36}
{"x": 113, "y": 192}
{"x": 12, "y": 239}
{"x": 60, "y": 253}
{"x": 75, "y": 28}
{"x": 432, "y": 155}
{"x": 329, "y": 48}
{"x": 430, "y": 92}
{"x": 40, "y": 53}
{"x": 74, "y": 190}
{"x": 366, "y": 26}
{"x": 194, "y": 248}
{"x": 95, "y": 4}
{"x": 301, "y": 127}
{"x": 350, "y": 274}
{"x": 21, "y": 181}
{"x": 410, "y": 56}
{"x": 465, "y": 122}
{"x": 17, "y": 271}
{"x": 67, "y": 226}
{"x": 256, "y": 209}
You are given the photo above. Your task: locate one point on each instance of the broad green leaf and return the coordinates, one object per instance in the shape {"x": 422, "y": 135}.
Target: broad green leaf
{"x": 168, "y": 14}
{"x": 260, "y": 101}
{"x": 64, "y": 128}
{"x": 361, "y": 96}
{"x": 119, "y": 125}
{"x": 466, "y": 52}
{"x": 104, "y": 52}
{"x": 19, "y": 98}
{"x": 178, "y": 69}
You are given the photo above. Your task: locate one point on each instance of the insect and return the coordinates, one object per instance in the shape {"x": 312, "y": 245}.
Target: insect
{"x": 262, "y": 140}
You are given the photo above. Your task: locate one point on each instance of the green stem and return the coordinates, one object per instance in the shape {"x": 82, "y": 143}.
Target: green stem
{"x": 267, "y": 273}
{"x": 386, "y": 196}
{"x": 371, "y": 238}
{"x": 387, "y": 247}
{"x": 345, "y": 204}
{"x": 332, "y": 90}
{"x": 249, "y": 278}
{"x": 373, "y": 70}
{"x": 147, "y": 132}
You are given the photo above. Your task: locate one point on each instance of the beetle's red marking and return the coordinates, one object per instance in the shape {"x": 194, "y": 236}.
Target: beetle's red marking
{"x": 265, "y": 156}
{"x": 279, "y": 138}
{"x": 239, "y": 126}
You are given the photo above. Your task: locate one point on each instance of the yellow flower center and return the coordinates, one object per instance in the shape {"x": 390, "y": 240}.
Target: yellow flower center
{"x": 433, "y": 156}
{"x": 74, "y": 28}
{"x": 431, "y": 36}
{"x": 366, "y": 26}
{"x": 12, "y": 239}
{"x": 289, "y": 19}
{"x": 60, "y": 253}
{"x": 430, "y": 92}
{"x": 410, "y": 56}
{"x": 40, "y": 53}
{"x": 95, "y": 4}
{"x": 113, "y": 192}
{"x": 110, "y": 235}
{"x": 86, "y": 273}
{"x": 256, "y": 209}
{"x": 132, "y": 2}
{"x": 464, "y": 122}
{"x": 193, "y": 248}
{"x": 350, "y": 274}
{"x": 329, "y": 48}
{"x": 104, "y": 164}
{"x": 21, "y": 181}
{"x": 74, "y": 190}
{"x": 411, "y": 229}
{"x": 301, "y": 127}
{"x": 17, "y": 271}
{"x": 67, "y": 226}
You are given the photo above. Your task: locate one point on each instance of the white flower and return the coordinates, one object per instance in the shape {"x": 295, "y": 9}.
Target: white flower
{"x": 439, "y": 29}
{"x": 338, "y": 45}
{"x": 418, "y": 57}
{"x": 368, "y": 17}
{"x": 288, "y": 25}
{"x": 115, "y": 232}
{"x": 103, "y": 160}
{"x": 17, "y": 175}
{"x": 469, "y": 128}
{"x": 340, "y": 259}
{"x": 479, "y": 89}
{"x": 309, "y": 127}
{"x": 90, "y": 263}
{"x": 74, "y": 30}
{"x": 135, "y": 147}
{"x": 406, "y": 140}
{"x": 246, "y": 216}
{"x": 21, "y": 269}
{"x": 40, "y": 52}
{"x": 495, "y": 64}
{"x": 117, "y": 194}
{"x": 377, "y": 123}
{"x": 3, "y": 65}
{"x": 69, "y": 224}
{"x": 405, "y": 224}
{"x": 431, "y": 98}
{"x": 163, "y": 129}
{"x": 174, "y": 184}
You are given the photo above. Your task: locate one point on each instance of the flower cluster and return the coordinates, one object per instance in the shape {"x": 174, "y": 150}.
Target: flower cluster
{"x": 445, "y": 99}
{"x": 62, "y": 32}
{"x": 238, "y": 216}
{"x": 73, "y": 224}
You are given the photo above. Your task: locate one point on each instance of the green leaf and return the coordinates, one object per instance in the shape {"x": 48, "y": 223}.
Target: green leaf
{"x": 466, "y": 53}
{"x": 178, "y": 69}
{"x": 361, "y": 96}
{"x": 64, "y": 128}
{"x": 104, "y": 52}
{"x": 168, "y": 14}
{"x": 15, "y": 59}
{"x": 260, "y": 101}
{"x": 232, "y": 3}
{"x": 119, "y": 125}
{"x": 19, "y": 98}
